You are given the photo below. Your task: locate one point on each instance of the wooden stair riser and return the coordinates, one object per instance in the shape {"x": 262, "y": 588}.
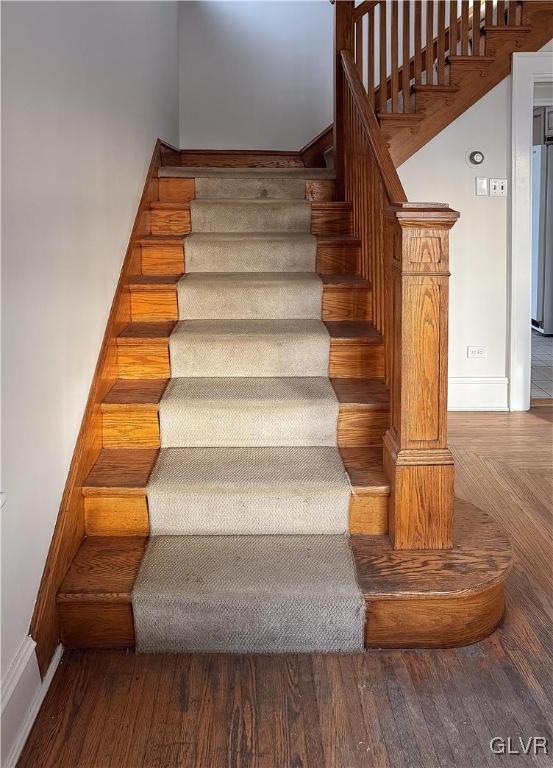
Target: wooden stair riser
{"x": 339, "y": 303}
{"x": 427, "y": 100}
{"x": 504, "y": 41}
{"x": 333, "y": 258}
{"x": 174, "y": 190}
{"x": 348, "y": 359}
{"x": 116, "y": 515}
{"x": 126, "y": 426}
{"x": 326, "y": 219}
{"x": 121, "y": 515}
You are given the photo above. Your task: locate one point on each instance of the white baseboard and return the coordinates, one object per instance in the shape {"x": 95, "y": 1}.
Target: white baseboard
{"x": 22, "y": 694}
{"x": 479, "y": 393}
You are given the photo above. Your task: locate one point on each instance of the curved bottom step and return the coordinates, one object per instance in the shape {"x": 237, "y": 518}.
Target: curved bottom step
{"x": 433, "y": 599}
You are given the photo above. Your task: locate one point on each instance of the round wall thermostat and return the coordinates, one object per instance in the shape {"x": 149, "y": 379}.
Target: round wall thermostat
{"x": 474, "y": 157}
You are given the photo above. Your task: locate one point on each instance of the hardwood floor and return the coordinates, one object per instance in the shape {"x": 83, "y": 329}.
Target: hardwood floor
{"x": 396, "y": 709}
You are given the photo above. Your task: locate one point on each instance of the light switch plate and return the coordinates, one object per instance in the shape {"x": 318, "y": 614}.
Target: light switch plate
{"x": 498, "y": 187}
{"x": 481, "y": 185}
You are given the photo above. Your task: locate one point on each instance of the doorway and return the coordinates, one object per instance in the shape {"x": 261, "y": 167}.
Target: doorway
{"x": 532, "y": 77}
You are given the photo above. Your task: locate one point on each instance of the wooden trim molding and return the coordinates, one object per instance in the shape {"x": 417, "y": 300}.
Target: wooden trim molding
{"x": 70, "y": 524}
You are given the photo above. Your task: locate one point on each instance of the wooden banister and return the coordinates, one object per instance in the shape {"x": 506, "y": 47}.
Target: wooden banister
{"x": 367, "y": 118}
{"x": 404, "y": 254}
{"x": 398, "y": 70}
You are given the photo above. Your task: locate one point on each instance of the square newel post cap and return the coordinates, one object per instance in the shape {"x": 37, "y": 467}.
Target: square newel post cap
{"x": 423, "y": 215}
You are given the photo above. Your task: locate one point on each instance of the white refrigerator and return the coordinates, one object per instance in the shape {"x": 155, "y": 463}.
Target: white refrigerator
{"x": 542, "y": 238}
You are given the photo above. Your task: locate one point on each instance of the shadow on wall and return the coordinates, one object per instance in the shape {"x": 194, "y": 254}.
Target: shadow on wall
{"x": 254, "y": 75}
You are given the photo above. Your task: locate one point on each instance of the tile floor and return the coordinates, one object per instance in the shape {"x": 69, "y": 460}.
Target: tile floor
{"x": 542, "y": 366}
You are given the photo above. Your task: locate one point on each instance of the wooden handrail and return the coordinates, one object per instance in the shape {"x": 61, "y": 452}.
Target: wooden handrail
{"x": 404, "y": 254}
{"x": 388, "y": 171}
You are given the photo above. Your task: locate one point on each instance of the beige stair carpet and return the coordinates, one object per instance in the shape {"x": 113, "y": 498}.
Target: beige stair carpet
{"x": 246, "y": 348}
{"x": 228, "y": 187}
{"x": 244, "y": 172}
{"x": 251, "y": 252}
{"x": 248, "y": 412}
{"x": 225, "y": 491}
{"x": 255, "y": 296}
{"x": 250, "y": 215}
{"x": 248, "y": 594}
{"x": 248, "y": 501}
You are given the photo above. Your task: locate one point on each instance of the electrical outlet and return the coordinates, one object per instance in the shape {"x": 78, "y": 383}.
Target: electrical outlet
{"x": 477, "y": 352}
{"x": 498, "y": 187}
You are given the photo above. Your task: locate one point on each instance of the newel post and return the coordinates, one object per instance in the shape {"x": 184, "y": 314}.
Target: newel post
{"x": 417, "y": 460}
{"x": 343, "y": 40}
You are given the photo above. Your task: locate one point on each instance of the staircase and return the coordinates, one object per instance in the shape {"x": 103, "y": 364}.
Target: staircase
{"x": 263, "y": 462}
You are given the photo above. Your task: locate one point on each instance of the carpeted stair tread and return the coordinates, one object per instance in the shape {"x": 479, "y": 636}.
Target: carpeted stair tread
{"x": 243, "y": 172}
{"x": 252, "y": 188}
{"x": 258, "y": 296}
{"x": 247, "y": 348}
{"x": 253, "y": 490}
{"x": 250, "y": 215}
{"x": 248, "y": 594}
{"x": 248, "y": 412}
{"x": 251, "y": 252}
{"x": 126, "y": 471}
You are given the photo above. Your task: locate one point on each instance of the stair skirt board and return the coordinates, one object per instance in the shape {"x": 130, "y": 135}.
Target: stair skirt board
{"x": 225, "y": 491}
{"x": 243, "y": 296}
{"x": 218, "y": 412}
{"x": 251, "y": 252}
{"x": 250, "y": 215}
{"x": 247, "y": 348}
{"x": 248, "y": 594}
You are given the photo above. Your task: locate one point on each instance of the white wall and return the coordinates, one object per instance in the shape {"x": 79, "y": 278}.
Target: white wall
{"x": 254, "y": 75}
{"x": 86, "y": 90}
{"x": 478, "y": 243}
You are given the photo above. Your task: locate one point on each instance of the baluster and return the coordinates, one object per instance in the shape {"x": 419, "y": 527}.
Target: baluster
{"x": 405, "y": 62}
{"x": 441, "y": 41}
{"x": 370, "y": 57}
{"x": 429, "y": 41}
{"x": 418, "y": 44}
{"x": 383, "y": 60}
{"x": 488, "y": 13}
{"x": 476, "y": 28}
{"x": 359, "y": 45}
{"x": 394, "y": 46}
{"x": 343, "y": 40}
{"x": 500, "y": 13}
{"x": 453, "y": 22}
{"x": 464, "y": 28}
{"x": 511, "y": 11}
